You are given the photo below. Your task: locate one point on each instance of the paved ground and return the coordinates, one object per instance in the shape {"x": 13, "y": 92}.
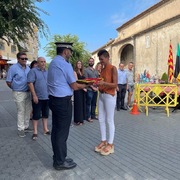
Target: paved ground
{"x": 146, "y": 148}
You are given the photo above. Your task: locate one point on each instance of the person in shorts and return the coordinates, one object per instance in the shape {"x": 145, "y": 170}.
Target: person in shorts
{"x": 130, "y": 84}
{"x": 37, "y": 82}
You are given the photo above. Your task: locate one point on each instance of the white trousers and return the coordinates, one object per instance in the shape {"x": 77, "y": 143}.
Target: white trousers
{"x": 106, "y": 108}
{"x": 24, "y": 107}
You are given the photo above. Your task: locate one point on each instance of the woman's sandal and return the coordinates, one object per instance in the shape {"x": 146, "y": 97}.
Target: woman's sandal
{"x": 34, "y": 137}
{"x": 78, "y": 124}
{"x": 100, "y": 146}
{"x": 90, "y": 120}
{"x": 108, "y": 149}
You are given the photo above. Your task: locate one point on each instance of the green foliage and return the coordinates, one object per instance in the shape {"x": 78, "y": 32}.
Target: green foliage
{"x": 79, "y": 52}
{"x": 47, "y": 65}
{"x": 19, "y": 19}
{"x": 164, "y": 77}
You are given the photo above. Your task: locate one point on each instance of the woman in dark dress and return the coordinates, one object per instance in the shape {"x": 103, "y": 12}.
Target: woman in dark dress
{"x": 79, "y": 96}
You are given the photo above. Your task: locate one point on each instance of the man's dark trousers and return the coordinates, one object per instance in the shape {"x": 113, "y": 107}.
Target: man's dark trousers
{"x": 61, "y": 119}
{"x": 91, "y": 100}
{"x": 121, "y": 95}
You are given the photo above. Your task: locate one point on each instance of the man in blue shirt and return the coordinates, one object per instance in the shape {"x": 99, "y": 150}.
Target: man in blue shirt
{"x": 122, "y": 86}
{"x": 61, "y": 83}
{"x": 17, "y": 81}
{"x": 37, "y": 82}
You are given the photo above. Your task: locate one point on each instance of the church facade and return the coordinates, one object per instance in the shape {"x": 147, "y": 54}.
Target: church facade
{"x": 146, "y": 38}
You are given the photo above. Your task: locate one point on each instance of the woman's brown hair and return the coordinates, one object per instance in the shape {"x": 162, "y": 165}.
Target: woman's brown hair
{"x": 82, "y": 67}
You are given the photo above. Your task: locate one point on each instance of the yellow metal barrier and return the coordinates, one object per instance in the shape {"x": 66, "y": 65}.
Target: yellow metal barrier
{"x": 156, "y": 95}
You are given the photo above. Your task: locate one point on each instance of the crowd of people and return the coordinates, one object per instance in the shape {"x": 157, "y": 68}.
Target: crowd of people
{"x": 36, "y": 90}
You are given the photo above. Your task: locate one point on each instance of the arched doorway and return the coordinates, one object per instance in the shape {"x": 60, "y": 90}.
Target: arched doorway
{"x": 126, "y": 54}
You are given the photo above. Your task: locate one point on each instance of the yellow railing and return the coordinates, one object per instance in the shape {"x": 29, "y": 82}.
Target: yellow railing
{"x": 156, "y": 95}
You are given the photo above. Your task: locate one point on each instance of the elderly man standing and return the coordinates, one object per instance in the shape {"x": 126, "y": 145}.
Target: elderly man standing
{"x": 122, "y": 86}
{"x": 37, "y": 82}
{"x": 61, "y": 83}
{"x": 17, "y": 81}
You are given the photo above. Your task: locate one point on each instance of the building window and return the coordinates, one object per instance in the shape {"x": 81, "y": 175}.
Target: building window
{"x": 2, "y": 47}
{"x": 148, "y": 41}
{"x": 13, "y": 49}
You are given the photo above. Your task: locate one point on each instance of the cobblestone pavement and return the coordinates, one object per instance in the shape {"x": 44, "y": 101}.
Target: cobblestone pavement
{"x": 146, "y": 148}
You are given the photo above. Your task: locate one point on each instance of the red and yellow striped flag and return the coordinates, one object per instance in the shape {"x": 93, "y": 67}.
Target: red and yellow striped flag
{"x": 170, "y": 65}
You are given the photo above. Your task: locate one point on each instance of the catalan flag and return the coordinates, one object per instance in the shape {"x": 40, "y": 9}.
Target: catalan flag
{"x": 170, "y": 65}
{"x": 177, "y": 66}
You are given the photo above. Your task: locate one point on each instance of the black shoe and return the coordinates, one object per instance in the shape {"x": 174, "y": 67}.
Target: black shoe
{"x": 123, "y": 108}
{"x": 118, "y": 109}
{"x": 65, "y": 166}
{"x": 69, "y": 160}
{"x": 95, "y": 118}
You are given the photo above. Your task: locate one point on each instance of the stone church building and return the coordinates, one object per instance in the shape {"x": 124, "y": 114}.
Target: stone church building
{"x": 146, "y": 38}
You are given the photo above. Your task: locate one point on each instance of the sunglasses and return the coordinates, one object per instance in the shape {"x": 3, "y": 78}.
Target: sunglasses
{"x": 24, "y": 59}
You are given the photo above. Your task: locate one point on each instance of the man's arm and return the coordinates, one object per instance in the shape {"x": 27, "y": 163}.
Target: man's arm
{"x": 34, "y": 96}
{"x": 9, "y": 77}
{"x": 126, "y": 81}
{"x": 76, "y": 86}
{"x": 9, "y": 84}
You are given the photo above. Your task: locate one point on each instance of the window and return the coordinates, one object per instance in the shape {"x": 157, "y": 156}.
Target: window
{"x": 2, "y": 47}
{"x": 148, "y": 41}
{"x": 13, "y": 48}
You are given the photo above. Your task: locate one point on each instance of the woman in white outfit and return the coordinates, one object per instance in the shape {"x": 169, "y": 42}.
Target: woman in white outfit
{"x": 106, "y": 103}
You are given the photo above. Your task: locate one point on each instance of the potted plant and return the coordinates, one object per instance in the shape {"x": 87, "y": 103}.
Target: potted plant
{"x": 164, "y": 78}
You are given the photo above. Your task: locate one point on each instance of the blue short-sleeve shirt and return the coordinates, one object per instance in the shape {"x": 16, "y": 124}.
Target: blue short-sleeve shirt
{"x": 39, "y": 78}
{"x": 60, "y": 76}
{"x": 17, "y": 75}
{"x": 122, "y": 77}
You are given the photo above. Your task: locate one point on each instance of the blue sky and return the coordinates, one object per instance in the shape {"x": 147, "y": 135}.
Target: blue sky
{"x": 93, "y": 21}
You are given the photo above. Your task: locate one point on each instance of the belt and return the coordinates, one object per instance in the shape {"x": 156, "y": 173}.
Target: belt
{"x": 65, "y": 97}
{"x": 122, "y": 84}
{"x": 102, "y": 92}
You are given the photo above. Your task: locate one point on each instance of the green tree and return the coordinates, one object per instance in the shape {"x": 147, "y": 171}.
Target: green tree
{"x": 79, "y": 52}
{"x": 19, "y": 19}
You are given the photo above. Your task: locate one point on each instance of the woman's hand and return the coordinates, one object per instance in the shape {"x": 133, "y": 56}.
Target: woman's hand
{"x": 100, "y": 83}
{"x": 94, "y": 88}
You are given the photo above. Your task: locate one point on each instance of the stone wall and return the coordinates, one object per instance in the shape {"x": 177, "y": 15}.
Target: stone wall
{"x": 150, "y": 34}
{"x": 152, "y": 49}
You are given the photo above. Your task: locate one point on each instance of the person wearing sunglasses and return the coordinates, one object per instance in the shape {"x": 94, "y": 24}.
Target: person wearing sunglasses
{"x": 17, "y": 81}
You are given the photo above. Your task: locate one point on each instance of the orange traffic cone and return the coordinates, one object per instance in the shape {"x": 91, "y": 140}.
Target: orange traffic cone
{"x": 134, "y": 110}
